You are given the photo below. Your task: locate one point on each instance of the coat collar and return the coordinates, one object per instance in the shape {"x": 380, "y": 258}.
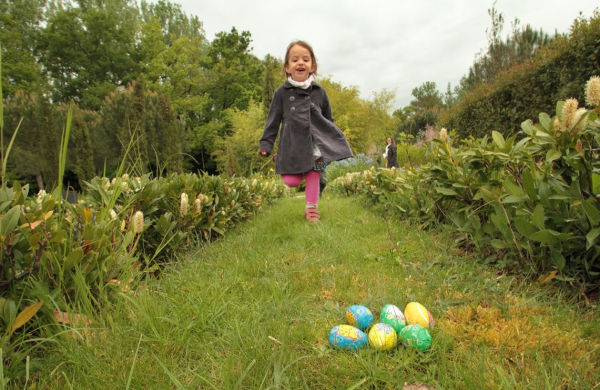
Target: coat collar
{"x": 288, "y": 85}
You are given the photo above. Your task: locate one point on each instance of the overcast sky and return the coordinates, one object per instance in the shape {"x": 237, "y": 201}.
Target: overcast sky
{"x": 383, "y": 44}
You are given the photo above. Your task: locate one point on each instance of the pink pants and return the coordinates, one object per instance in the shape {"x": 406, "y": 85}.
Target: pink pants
{"x": 312, "y": 179}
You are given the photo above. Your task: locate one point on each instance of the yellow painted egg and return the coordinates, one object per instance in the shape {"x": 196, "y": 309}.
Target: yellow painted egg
{"x": 416, "y": 314}
{"x": 382, "y": 337}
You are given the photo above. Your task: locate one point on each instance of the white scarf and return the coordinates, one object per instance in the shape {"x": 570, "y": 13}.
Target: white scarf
{"x": 301, "y": 84}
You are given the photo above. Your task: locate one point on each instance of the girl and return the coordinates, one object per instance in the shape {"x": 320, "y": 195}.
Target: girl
{"x": 309, "y": 139}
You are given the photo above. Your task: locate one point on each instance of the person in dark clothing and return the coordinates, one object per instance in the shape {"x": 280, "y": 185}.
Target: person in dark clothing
{"x": 308, "y": 138}
{"x": 390, "y": 154}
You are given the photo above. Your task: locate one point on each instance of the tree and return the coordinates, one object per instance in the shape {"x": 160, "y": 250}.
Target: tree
{"x": 519, "y": 46}
{"x": 237, "y": 153}
{"x": 34, "y": 156}
{"x": 20, "y": 25}
{"x": 272, "y": 79}
{"x": 427, "y": 97}
{"x": 232, "y": 79}
{"x": 80, "y": 155}
{"x": 88, "y": 50}
{"x": 366, "y": 124}
{"x": 173, "y": 22}
{"x": 423, "y": 110}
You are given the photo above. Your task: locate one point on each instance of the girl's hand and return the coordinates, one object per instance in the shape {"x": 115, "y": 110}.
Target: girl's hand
{"x": 263, "y": 153}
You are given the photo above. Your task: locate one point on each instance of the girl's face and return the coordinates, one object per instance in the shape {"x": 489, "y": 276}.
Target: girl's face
{"x": 300, "y": 64}
{"x": 389, "y": 140}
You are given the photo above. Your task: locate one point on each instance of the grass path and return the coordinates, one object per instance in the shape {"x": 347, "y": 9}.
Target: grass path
{"x": 253, "y": 310}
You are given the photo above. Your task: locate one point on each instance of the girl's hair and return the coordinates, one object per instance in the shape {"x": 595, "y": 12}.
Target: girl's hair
{"x": 307, "y": 47}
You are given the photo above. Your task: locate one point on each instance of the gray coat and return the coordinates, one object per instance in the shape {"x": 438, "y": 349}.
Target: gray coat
{"x": 304, "y": 116}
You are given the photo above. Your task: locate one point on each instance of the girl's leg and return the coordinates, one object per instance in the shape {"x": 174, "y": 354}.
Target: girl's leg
{"x": 312, "y": 179}
{"x": 292, "y": 180}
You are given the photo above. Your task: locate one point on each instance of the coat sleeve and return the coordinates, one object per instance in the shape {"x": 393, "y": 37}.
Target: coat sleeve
{"x": 273, "y": 123}
{"x": 326, "y": 107}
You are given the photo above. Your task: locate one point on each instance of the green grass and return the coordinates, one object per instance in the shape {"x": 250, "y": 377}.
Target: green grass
{"x": 253, "y": 311}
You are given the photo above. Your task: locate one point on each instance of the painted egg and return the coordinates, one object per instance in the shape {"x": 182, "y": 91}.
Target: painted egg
{"x": 347, "y": 337}
{"x": 393, "y": 316}
{"x": 359, "y": 316}
{"x": 416, "y": 314}
{"x": 416, "y": 336}
{"x": 382, "y": 337}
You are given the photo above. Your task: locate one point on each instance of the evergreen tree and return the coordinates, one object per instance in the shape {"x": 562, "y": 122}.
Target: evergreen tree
{"x": 34, "y": 155}
{"x": 272, "y": 79}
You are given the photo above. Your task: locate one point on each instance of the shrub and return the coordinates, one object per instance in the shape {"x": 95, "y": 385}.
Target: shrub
{"x": 530, "y": 203}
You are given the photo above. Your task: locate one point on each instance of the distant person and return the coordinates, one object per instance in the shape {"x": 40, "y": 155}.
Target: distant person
{"x": 308, "y": 139}
{"x": 390, "y": 155}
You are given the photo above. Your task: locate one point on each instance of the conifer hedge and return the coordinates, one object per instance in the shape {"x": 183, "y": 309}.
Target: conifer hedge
{"x": 555, "y": 73}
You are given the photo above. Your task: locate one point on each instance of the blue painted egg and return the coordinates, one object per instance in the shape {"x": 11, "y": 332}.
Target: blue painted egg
{"x": 347, "y": 337}
{"x": 359, "y": 316}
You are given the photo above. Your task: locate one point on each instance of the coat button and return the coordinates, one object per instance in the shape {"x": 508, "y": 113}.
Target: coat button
{"x": 307, "y": 97}
{"x": 293, "y": 109}
{"x": 292, "y": 98}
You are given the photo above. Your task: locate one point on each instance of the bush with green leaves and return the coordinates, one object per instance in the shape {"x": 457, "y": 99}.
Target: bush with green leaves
{"x": 58, "y": 257}
{"x": 530, "y": 201}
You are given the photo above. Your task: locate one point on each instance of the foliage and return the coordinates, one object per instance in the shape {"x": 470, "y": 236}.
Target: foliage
{"x": 239, "y": 150}
{"x": 519, "y": 46}
{"x": 105, "y": 56}
{"x": 530, "y": 203}
{"x": 86, "y": 49}
{"x": 35, "y": 153}
{"x": 21, "y": 23}
{"x": 64, "y": 255}
{"x": 411, "y": 154}
{"x": 364, "y": 123}
{"x": 423, "y": 110}
{"x": 555, "y": 72}
{"x": 273, "y": 78}
{"x": 357, "y": 163}
{"x": 253, "y": 311}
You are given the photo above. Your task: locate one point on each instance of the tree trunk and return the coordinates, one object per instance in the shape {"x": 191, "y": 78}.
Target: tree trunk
{"x": 40, "y": 182}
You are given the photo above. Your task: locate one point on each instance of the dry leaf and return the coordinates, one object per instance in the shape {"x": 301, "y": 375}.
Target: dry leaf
{"x": 546, "y": 278}
{"x": 71, "y": 319}
{"x": 35, "y": 224}
{"x": 87, "y": 213}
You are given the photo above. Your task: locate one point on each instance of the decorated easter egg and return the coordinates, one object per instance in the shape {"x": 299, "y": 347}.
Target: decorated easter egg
{"x": 416, "y": 336}
{"x": 359, "y": 316}
{"x": 393, "y": 316}
{"x": 347, "y": 337}
{"x": 382, "y": 337}
{"x": 416, "y": 314}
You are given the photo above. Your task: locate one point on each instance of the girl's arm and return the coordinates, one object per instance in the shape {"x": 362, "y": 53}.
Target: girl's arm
{"x": 326, "y": 108}
{"x": 272, "y": 124}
